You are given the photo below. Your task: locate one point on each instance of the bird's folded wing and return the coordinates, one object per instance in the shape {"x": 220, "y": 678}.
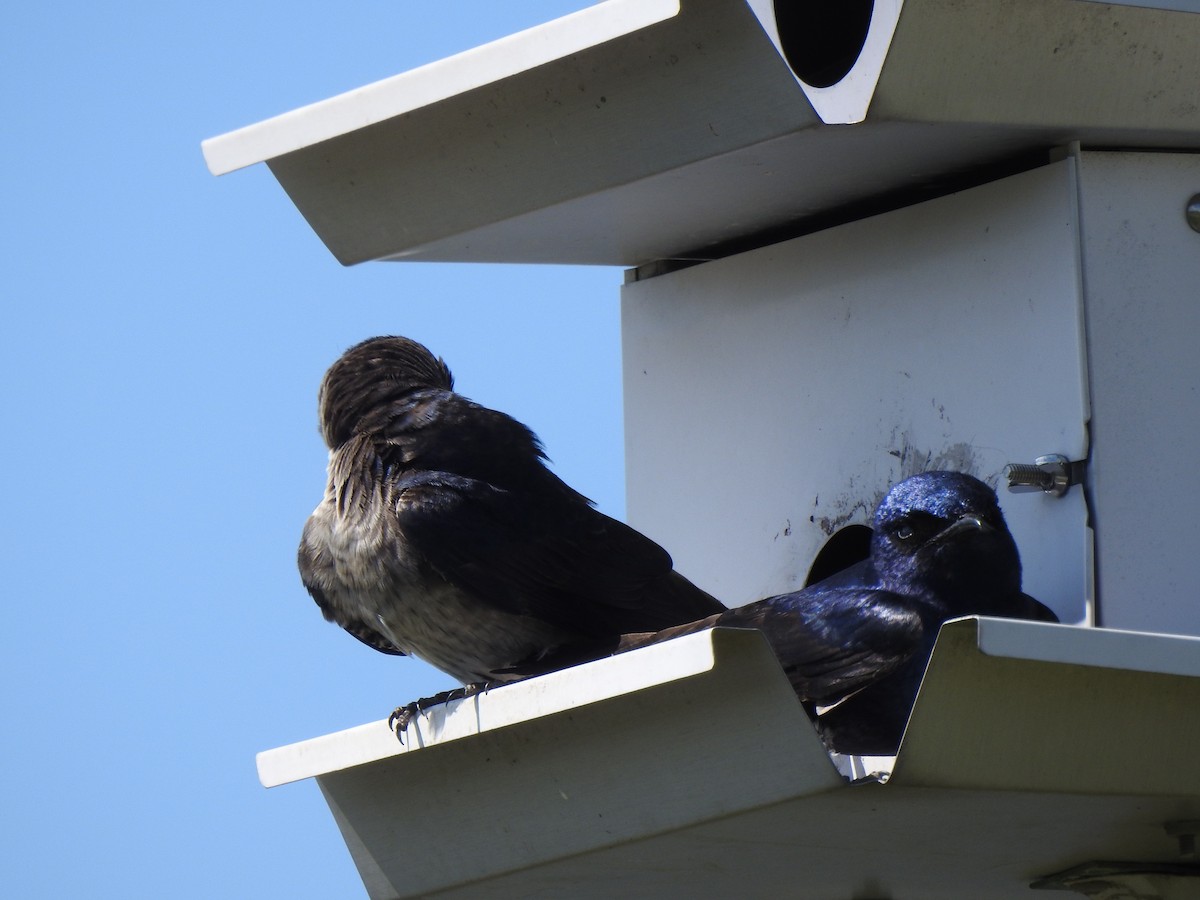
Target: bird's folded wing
{"x": 833, "y": 641}
{"x": 1036, "y": 610}
{"x": 355, "y": 627}
{"x": 547, "y": 554}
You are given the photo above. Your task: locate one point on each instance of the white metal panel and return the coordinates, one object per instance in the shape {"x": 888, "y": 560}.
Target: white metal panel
{"x": 1068, "y": 710}
{"x": 432, "y": 83}
{"x": 590, "y": 117}
{"x": 499, "y": 707}
{"x": 665, "y": 784}
{"x": 1109, "y": 648}
{"x": 867, "y": 841}
{"x": 629, "y": 133}
{"x": 1142, "y": 282}
{"x": 1098, "y": 73}
{"x": 582, "y": 778}
{"x": 772, "y": 397}
{"x": 681, "y": 213}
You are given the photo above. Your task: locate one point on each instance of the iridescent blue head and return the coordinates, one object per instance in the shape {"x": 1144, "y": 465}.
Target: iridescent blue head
{"x": 942, "y": 533}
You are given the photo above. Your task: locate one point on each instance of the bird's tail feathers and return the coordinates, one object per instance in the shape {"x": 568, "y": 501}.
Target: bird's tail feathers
{"x": 646, "y": 638}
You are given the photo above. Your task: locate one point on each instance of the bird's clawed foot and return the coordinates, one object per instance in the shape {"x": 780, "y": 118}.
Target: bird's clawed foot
{"x": 402, "y": 716}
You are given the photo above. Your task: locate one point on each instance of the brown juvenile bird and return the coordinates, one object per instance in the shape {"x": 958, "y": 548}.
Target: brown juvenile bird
{"x": 442, "y": 534}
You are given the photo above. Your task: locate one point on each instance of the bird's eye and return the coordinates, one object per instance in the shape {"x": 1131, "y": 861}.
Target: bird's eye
{"x": 905, "y": 532}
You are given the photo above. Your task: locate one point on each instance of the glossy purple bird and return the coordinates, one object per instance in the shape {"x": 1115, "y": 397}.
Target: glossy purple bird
{"x": 855, "y": 645}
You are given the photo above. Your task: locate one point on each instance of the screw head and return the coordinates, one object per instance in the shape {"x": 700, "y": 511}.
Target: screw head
{"x": 1192, "y": 212}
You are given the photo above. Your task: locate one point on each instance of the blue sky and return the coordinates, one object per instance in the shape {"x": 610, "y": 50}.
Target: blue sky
{"x": 165, "y": 332}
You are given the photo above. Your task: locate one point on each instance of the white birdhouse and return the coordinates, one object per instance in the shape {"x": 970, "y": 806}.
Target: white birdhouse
{"x": 863, "y": 240}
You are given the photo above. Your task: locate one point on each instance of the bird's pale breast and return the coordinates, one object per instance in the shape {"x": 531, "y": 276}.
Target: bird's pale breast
{"x": 365, "y": 571}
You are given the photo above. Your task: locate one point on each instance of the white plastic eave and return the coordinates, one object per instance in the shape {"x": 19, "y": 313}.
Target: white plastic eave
{"x": 551, "y": 694}
{"x": 1102, "y": 648}
{"x": 1009, "y": 705}
{"x": 613, "y": 677}
{"x": 657, "y": 773}
{"x": 432, "y": 83}
{"x": 639, "y": 131}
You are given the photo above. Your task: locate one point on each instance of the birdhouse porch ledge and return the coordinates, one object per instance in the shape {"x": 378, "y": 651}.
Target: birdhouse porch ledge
{"x": 675, "y": 769}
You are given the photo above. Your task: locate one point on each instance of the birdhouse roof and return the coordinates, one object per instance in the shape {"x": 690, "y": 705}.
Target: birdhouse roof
{"x": 643, "y": 130}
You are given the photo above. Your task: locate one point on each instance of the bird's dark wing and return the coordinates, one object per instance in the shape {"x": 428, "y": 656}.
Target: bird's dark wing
{"x": 441, "y": 431}
{"x": 859, "y": 574}
{"x": 833, "y": 641}
{"x": 544, "y": 554}
{"x": 354, "y": 627}
{"x": 1033, "y": 609}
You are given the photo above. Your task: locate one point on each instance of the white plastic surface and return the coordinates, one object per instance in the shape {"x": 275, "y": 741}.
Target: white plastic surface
{"x": 644, "y": 130}
{"x": 714, "y": 784}
{"x": 1142, "y": 280}
{"x": 772, "y": 397}
{"x": 432, "y": 83}
{"x": 497, "y": 708}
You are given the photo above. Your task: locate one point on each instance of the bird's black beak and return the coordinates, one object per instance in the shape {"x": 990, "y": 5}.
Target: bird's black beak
{"x": 962, "y": 525}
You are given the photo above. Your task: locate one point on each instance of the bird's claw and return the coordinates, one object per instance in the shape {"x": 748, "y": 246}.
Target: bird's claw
{"x": 402, "y": 716}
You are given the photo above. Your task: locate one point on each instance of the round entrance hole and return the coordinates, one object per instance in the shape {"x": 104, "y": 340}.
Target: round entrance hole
{"x": 822, "y": 39}
{"x": 844, "y": 548}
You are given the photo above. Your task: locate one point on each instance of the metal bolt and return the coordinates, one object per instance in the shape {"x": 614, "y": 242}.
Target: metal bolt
{"x": 1051, "y": 474}
{"x": 1192, "y": 212}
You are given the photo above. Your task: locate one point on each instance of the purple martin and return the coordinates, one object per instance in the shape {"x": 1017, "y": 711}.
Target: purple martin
{"x": 443, "y": 535}
{"x": 855, "y": 645}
